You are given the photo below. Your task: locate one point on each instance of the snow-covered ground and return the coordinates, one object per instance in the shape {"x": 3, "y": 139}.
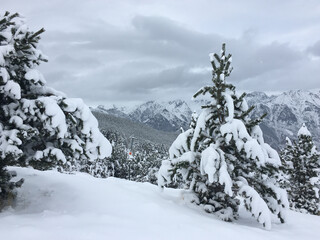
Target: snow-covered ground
{"x": 61, "y": 206}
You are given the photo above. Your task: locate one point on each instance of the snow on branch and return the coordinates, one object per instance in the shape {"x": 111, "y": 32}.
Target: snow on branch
{"x": 255, "y": 204}
{"x": 180, "y": 145}
{"x": 230, "y": 106}
{"x": 303, "y": 131}
{"x": 201, "y": 125}
{"x": 214, "y": 165}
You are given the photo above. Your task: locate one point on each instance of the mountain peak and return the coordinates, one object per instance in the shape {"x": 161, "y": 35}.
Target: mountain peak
{"x": 177, "y": 102}
{"x": 257, "y": 94}
{"x": 286, "y": 112}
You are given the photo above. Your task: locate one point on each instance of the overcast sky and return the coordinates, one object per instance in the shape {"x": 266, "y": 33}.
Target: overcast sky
{"x": 127, "y": 51}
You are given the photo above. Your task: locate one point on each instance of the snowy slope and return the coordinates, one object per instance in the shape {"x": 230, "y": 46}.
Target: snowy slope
{"x": 61, "y": 206}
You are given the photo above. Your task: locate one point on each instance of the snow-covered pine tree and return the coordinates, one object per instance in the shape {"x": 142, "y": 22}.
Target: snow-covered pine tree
{"x": 286, "y": 168}
{"x": 302, "y": 166}
{"x": 38, "y": 125}
{"x": 224, "y": 155}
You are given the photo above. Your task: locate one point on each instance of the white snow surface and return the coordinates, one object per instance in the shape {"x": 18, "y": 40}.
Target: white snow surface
{"x": 230, "y": 106}
{"x": 213, "y": 163}
{"x": 12, "y": 89}
{"x": 288, "y": 141}
{"x": 259, "y": 208}
{"x": 179, "y": 146}
{"x": 304, "y": 131}
{"x": 35, "y": 75}
{"x": 77, "y": 206}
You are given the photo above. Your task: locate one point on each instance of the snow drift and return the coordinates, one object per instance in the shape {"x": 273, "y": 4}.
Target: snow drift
{"x": 77, "y": 206}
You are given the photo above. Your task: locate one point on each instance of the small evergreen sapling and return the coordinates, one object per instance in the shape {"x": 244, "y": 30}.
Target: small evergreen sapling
{"x": 223, "y": 155}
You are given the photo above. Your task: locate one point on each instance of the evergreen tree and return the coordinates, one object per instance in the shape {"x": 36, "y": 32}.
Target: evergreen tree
{"x": 117, "y": 164}
{"x": 147, "y": 160}
{"x": 38, "y": 125}
{"x": 223, "y": 155}
{"x": 286, "y": 168}
{"x": 141, "y": 166}
{"x": 302, "y": 168}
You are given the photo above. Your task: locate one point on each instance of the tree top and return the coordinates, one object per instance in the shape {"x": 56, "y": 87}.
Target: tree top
{"x": 303, "y": 131}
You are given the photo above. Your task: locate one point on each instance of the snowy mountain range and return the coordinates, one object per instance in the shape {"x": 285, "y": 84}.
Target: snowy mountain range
{"x": 286, "y": 113}
{"x": 164, "y": 116}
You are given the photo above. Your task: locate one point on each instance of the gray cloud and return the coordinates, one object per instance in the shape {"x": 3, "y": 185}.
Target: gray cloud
{"x": 122, "y": 52}
{"x": 315, "y": 49}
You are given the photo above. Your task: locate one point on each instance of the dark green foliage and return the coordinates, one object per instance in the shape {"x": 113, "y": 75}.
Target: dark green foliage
{"x": 301, "y": 170}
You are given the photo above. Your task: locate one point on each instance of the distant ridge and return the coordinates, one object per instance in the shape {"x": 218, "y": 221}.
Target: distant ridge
{"x": 286, "y": 113}
{"x": 128, "y": 128}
